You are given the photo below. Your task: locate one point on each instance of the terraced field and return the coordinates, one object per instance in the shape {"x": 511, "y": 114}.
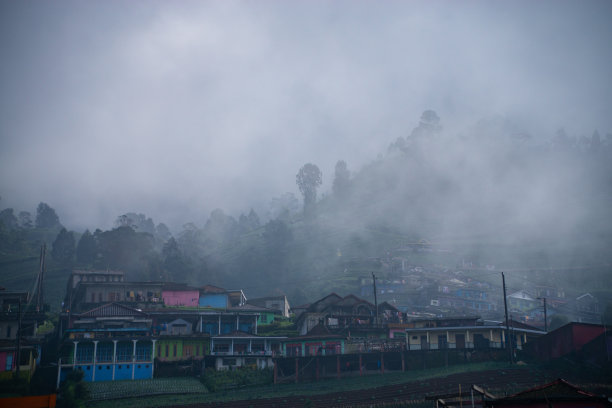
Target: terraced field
{"x": 137, "y": 388}
{"x": 414, "y": 393}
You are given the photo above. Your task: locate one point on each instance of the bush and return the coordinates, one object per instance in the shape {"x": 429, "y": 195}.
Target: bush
{"x": 229, "y": 379}
{"x": 73, "y": 391}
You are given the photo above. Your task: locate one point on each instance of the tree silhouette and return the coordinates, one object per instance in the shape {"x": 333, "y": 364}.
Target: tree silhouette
{"x": 308, "y": 179}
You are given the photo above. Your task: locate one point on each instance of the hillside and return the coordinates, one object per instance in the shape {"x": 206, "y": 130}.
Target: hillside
{"x": 538, "y": 209}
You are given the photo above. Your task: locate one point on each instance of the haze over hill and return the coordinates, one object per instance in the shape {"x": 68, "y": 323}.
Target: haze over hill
{"x": 174, "y": 109}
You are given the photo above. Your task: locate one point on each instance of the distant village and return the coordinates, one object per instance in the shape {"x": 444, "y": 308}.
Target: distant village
{"x": 114, "y": 329}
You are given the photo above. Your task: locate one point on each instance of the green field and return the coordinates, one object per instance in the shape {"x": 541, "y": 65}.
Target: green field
{"x": 311, "y": 388}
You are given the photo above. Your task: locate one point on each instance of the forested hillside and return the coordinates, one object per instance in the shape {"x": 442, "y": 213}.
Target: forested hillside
{"x": 489, "y": 194}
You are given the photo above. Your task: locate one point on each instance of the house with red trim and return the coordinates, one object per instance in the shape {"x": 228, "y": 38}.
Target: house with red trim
{"x": 563, "y": 341}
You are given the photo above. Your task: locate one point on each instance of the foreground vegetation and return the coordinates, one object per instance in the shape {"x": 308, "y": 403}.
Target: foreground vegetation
{"x": 282, "y": 390}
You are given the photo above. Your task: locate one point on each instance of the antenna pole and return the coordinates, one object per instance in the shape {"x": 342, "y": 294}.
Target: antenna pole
{"x": 508, "y": 342}
{"x": 545, "y": 317}
{"x": 375, "y": 298}
{"x": 41, "y": 274}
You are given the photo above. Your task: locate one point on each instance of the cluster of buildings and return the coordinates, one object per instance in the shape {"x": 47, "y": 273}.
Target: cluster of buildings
{"x": 20, "y": 342}
{"x": 113, "y": 329}
{"x": 438, "y": 292}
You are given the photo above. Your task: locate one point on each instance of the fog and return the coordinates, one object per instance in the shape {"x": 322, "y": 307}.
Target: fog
{"x": 174, "y": 109}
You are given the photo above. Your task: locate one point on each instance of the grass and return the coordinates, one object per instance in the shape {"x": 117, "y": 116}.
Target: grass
{"x": 311, "y": 388}
{"x": 107, "y": 390}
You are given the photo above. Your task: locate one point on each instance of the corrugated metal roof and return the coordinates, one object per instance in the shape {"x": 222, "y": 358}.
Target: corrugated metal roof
{"x": 112, "y": 309}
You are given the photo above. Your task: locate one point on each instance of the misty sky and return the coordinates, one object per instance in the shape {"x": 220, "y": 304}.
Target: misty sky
{"x": 175, "y": 108}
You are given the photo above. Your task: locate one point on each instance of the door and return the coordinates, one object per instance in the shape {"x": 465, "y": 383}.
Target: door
{"x": 424, "y": 344}
{"x": 460, "y": 341}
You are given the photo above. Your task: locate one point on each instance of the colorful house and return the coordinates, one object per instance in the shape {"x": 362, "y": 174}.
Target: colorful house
{"x": 179, "y": 348}
{"x": 12, "y": 307}
{"x": 219, "y": 298}
{"x": 239, "y": 349}
{"x": 564, "y": 340}
{"x": 176, "y": 294}
{"x": 349, "y": 313}
{"x": 279, "y": 304}
{"x": 318, "y": 342}
{"x": 110, "y": 342}
{"x": 213, "y": 297}
{"x": 467, "y": 333}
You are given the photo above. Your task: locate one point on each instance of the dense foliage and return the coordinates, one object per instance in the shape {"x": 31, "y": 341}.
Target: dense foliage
{"x": 230, "y": 379}
{"x": 493, "y": 195}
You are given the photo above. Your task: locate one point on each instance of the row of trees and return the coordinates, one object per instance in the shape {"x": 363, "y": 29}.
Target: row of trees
{"x": 426, "y": 185}
{"x": 46, "y": 218}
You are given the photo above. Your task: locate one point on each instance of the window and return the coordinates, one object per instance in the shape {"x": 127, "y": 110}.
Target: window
{"x": 9, "y": 362}
{"x": 124, "y": 352}
{"x": 229, "y": 361}
{"x": 197, "y": 350}
{"x": 143, "y": 351}
{"x": 8, "y": 331}
{"x": 85, "y": 352}
{"x": 93, "y": 298}
{"x": 167, "y": 350}
{"x": 100, "y": 297}
{"x": 105, "y": 352}
{"x": 174, "y": 351}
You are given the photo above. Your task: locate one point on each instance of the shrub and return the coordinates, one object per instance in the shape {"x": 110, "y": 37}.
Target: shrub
{"x": 241, "y": 377}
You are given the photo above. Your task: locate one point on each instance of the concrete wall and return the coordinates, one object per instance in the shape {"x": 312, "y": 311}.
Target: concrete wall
{"x": 180, "y": 298}
{"x": 214, "y": 300}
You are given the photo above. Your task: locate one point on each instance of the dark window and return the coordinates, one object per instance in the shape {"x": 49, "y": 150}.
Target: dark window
{"x": 442, "y": 343}
{"x": 8, "y": 331}
{"x": 9, "y": 362}
{"x": 167, "y": 353}
{"x": 174, "y": 351}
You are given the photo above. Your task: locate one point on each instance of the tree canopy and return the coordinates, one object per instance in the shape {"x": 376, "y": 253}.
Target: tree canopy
{"x": 46, "y": 217}
{"x": 308, "y": 179}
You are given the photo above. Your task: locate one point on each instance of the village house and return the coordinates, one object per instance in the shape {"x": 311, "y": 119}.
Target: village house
{"x": 466, "y": 333}
{"x": 275, "y": 303}
{"x": 567, "y": 339}
{"x": 349, "y": 314}
{"x": 19, "y": 351}
{"x": 157, "y": 323}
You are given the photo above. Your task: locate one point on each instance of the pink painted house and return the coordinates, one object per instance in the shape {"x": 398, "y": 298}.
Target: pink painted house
{"x": 177, "y": 294}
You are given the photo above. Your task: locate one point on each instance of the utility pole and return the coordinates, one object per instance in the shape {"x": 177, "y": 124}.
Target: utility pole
{"x": 508, "y": 342}
{"x": 18, "y": 356}
{"x": 545, "y": 315}
{"x": 375, "y": 298}
{"x": 41, "y": 274}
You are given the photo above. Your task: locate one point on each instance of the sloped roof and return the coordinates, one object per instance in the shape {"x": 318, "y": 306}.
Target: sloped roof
{"x": 586, "y": 295}
{"x": 352, "y": 300}
{"x": 383, "y": 305}
{"x": 324, "y": 302}
{"x": 558, "y": 389}
{"x": 112, "y": 310}
{"x": 521, "y": 294}
{"x": 247, "y": 307}
{"x": 319, "y": 331}
{"x": 519, "y": 325}
{"x": 212, "y": 289}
